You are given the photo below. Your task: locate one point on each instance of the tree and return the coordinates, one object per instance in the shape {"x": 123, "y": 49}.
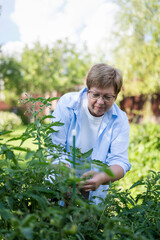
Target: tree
{"x": 59, "y": 67}
{"x": 11, "y": 74}
{"x": 42, "y": 69}
{"x": 138, "y": 49}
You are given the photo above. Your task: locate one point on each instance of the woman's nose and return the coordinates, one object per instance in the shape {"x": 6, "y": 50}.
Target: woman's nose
{"x": 100, "y": 100}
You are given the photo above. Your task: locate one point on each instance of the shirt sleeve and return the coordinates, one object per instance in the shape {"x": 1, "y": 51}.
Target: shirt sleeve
{"x": 60, "y": 114}
{"x": 118, "y": 154}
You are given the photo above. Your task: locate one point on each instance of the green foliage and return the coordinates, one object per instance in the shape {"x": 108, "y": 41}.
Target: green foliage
{"x": 59, "y": 67}
{"x": 9, "y": 121}
{"x": 136, "y": 218}
{"x": 42, "y": 69}
{"x": 144, "y": 153}
{"x": 30, "y": 196}
{"x": 138, "y": 53}
{"x": 12, "y": 75}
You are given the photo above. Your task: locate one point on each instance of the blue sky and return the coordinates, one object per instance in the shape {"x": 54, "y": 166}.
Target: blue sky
{"x": 26, "y": 21}
{"x": 8, "y": 29}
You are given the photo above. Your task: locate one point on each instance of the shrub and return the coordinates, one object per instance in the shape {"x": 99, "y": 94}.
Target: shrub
{"x": 9, "y": 121}
{"x": 144, "y": 154}
{"x": 30, "y": 202}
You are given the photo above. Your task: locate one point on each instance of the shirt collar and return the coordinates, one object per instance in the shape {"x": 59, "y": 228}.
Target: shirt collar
{"x": 77, "y": 100}
{"x": 113, "y": 111}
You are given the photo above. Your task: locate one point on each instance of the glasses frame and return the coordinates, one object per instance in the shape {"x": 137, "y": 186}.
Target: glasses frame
{"x": 112, "y": 97}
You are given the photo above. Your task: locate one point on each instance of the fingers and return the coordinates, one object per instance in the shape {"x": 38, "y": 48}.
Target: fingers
{"x": 88, "y": 174}
{"x": 89, "y": 185}
{"x": 88, "y": 188}
{"x": 67, "y": 165}
{"x": 84, "y": 185}
{"x": 85, "y": 175}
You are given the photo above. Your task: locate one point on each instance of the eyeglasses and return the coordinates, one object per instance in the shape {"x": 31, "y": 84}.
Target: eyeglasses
{"x": 96, "y": 96}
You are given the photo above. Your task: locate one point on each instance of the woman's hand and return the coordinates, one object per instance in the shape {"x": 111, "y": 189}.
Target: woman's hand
{"x": 95, "y": 180}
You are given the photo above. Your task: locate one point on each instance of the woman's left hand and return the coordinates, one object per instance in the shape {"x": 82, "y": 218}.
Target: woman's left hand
{"x": 95, "y": 180}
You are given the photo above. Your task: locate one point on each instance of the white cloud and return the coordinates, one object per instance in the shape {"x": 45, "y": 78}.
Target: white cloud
{"x": 78, "y": 20}
{"x": 13, "y": 48}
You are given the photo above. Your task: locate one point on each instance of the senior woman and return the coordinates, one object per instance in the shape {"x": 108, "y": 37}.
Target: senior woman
{"x": 100, "y": 125}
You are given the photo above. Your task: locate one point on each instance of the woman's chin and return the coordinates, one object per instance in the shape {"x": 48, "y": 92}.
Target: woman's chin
{"x": 97, "y": 113}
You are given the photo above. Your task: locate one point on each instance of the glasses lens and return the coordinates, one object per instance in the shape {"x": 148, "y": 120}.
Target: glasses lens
{"x": 96, "y": 96}
{"x": 108, "y": 98}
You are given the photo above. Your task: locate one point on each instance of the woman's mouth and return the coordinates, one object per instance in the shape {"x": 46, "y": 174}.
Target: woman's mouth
{"x": 99, "y": 108}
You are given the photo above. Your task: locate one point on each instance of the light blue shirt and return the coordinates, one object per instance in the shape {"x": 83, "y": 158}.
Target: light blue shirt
{"x": 111, "y": 146}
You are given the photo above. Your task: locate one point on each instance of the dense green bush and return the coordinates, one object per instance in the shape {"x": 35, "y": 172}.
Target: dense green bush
{"x": 144, "y": 153}
{"x": 29, "y": 209}
{"x": 9, "y": 120}
{"x": 30, "y": 197}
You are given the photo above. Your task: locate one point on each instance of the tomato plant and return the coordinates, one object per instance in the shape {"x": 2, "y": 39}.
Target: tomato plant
{"x": 31, "y": 194}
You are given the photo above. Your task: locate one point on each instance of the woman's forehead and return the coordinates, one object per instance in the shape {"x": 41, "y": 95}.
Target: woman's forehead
{"x": 106, "y": 90}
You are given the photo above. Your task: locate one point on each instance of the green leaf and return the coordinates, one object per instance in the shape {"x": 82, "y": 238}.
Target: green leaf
{"x": 20, "y": 149}
{"x": 4, "y": 147}
{"x": 99, "y": 163}
{"x": 14, "y": 139}
{"x": 87, "y": 154}
{"x": 42, "y": 189}
{"x": 54, "y": 98}
{"x": 29, "y": 155}
{"x": 53, "y": 124}
{"x": 4, "y": 132}
{"x": 28, "y": 219}
{"x": 27, "y": 232}
{"x": 51, "y": 130}
{"x": 10, "y": 154}
{"x": 5, "y": 213}
{"x": 40, "y": 200}
{"x": 108, "y": 171}
{"x": 10, "y": 202}
{"x": 48, "y": 116}
{"x": 137, "y": 184}
{"x": 57, "y": 124}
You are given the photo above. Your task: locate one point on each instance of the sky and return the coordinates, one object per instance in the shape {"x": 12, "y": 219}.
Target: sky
{"x": 27, "y": 21}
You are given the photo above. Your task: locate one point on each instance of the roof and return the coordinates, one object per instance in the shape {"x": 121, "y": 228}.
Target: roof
{"x": 4, "y": 106}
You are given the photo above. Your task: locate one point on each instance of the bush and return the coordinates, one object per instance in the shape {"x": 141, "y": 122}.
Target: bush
{"x": 9, "y": 121}
{"x": 30, "y": 197}
{"x": 144, "y": 154}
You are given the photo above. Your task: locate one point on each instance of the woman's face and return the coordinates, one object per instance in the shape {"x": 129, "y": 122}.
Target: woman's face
{"x": 100, "y": 100}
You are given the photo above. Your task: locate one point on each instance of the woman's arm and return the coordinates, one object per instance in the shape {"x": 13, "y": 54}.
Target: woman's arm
{"x": 101, "y": 178}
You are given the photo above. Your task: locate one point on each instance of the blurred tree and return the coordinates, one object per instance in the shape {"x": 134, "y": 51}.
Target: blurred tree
{"x": 42, "y": 69}
{"x": 59, "y": 67}
{"x": 138, "y": 45}
{"x": 11, "y": 74}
